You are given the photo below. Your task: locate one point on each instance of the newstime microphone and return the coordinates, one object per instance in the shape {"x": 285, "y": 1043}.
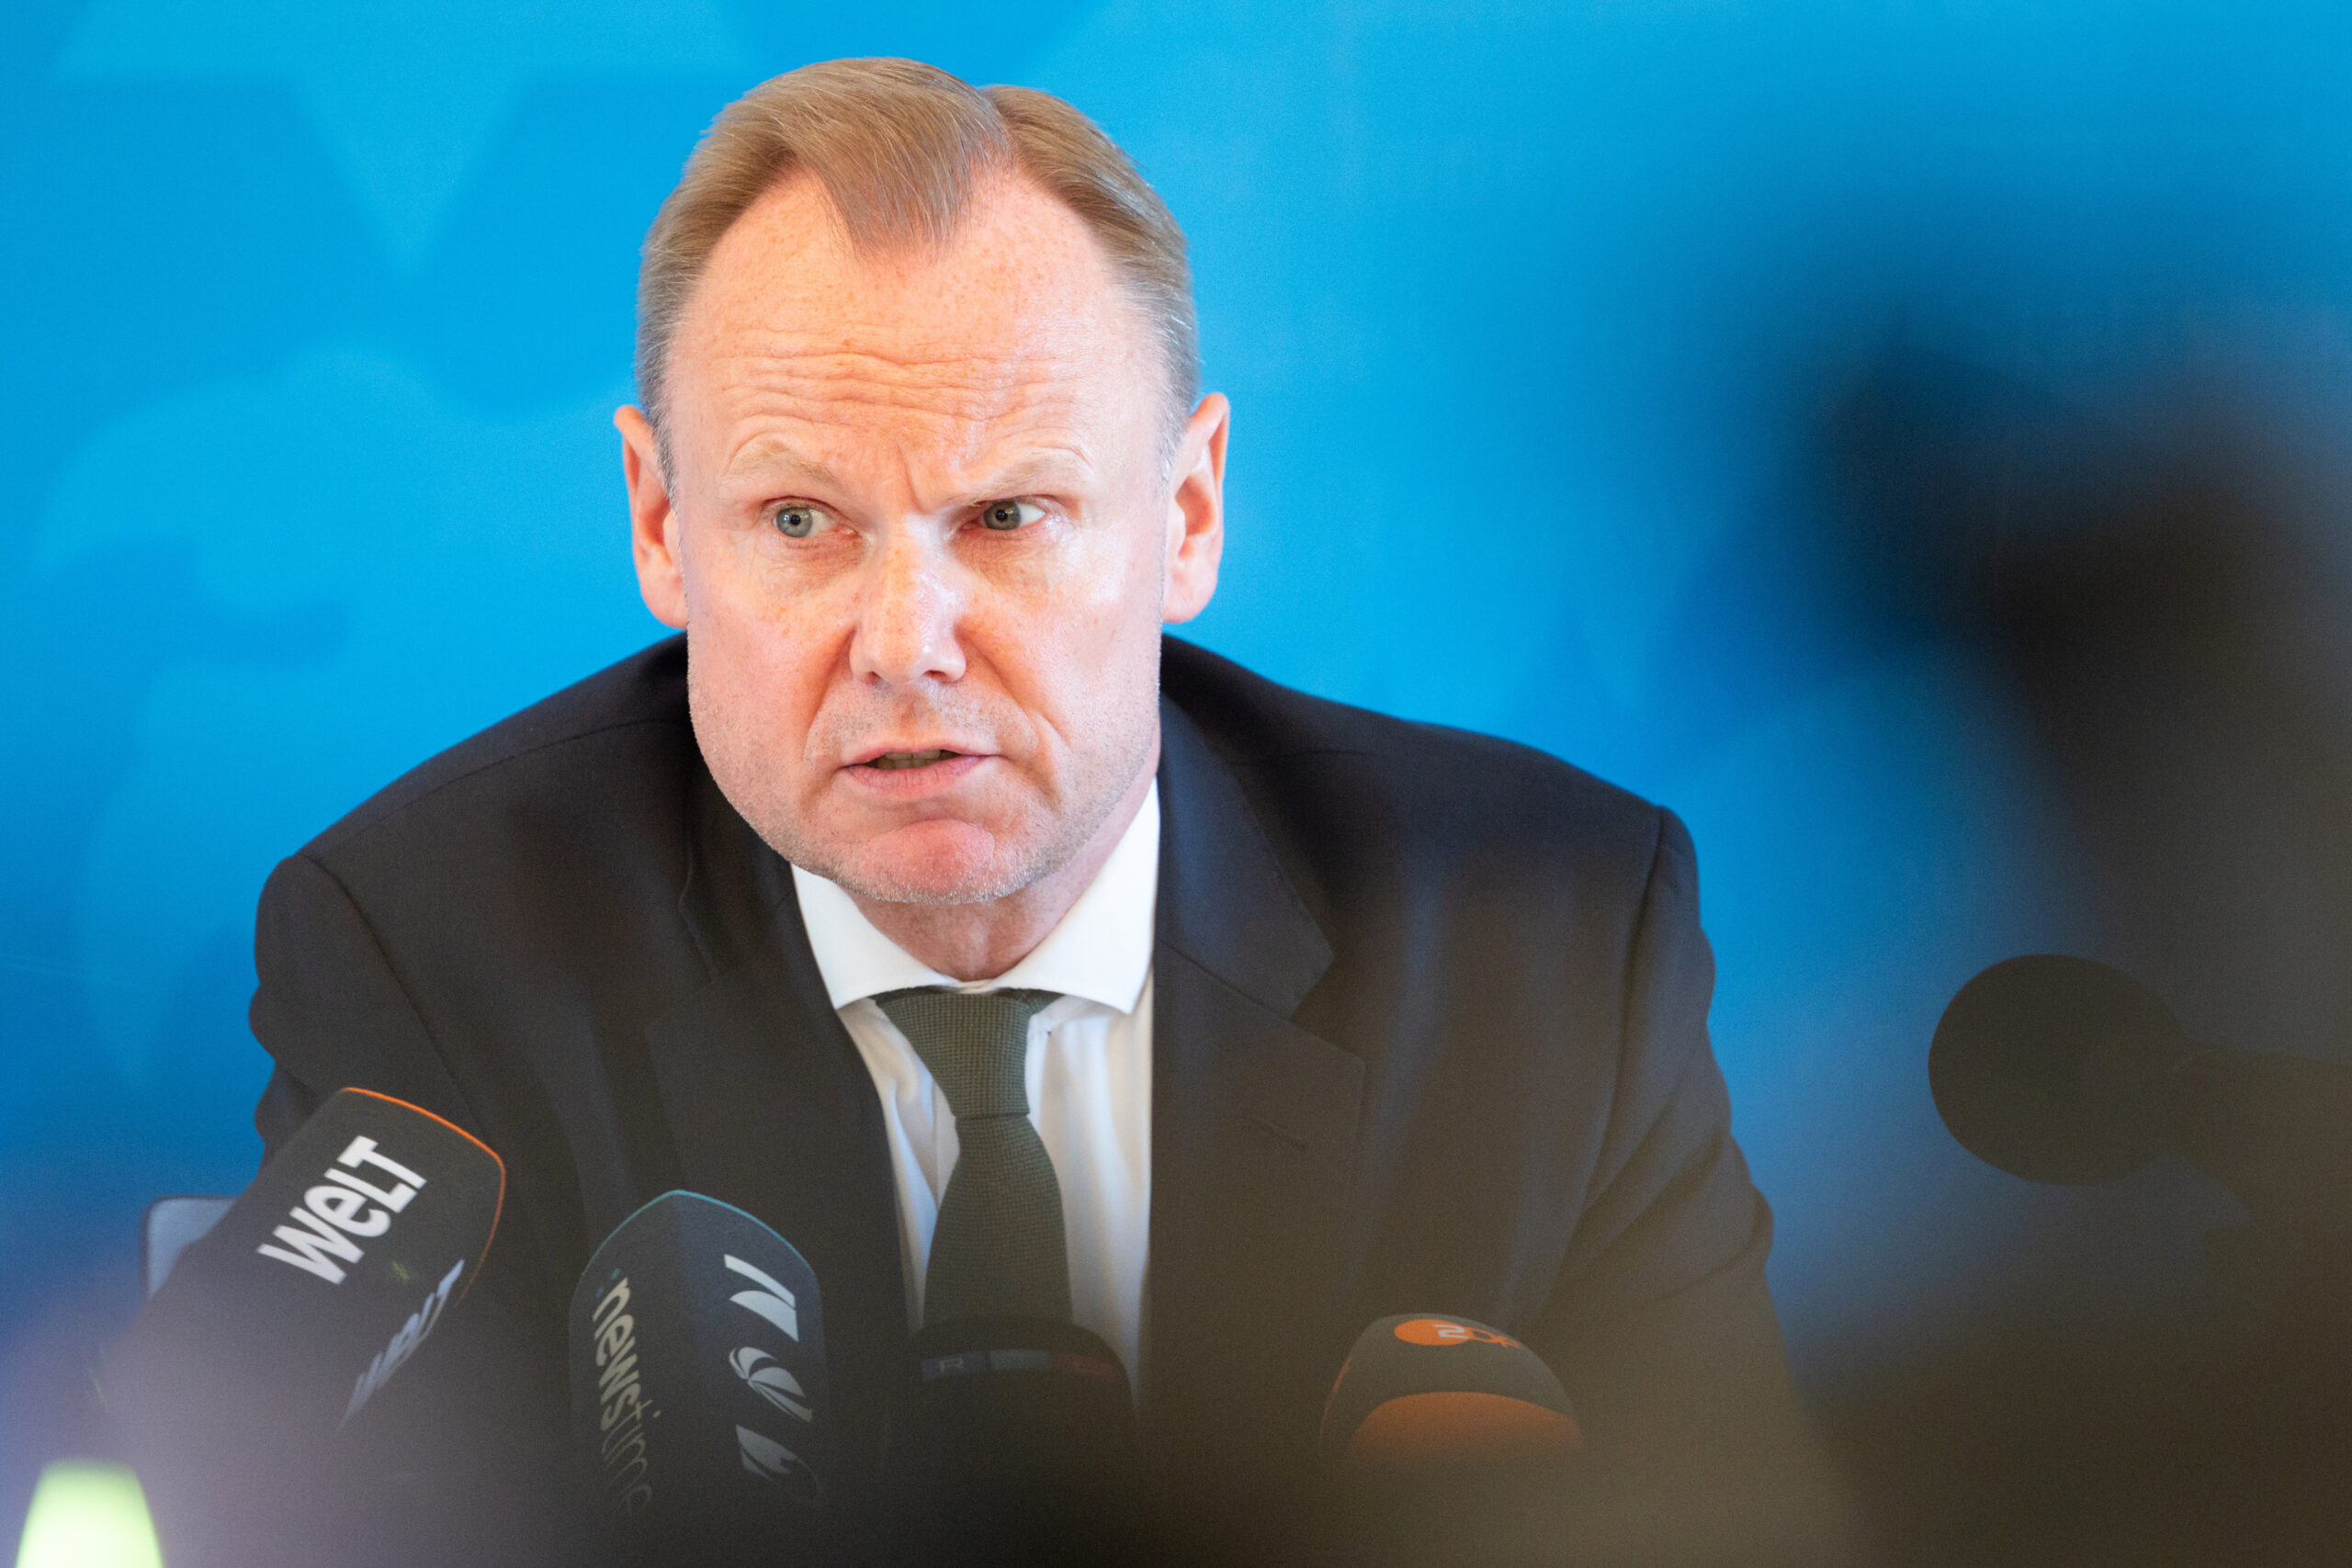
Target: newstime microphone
{"x": 261, "y": 1359}
{"x": 698, "y": 1388}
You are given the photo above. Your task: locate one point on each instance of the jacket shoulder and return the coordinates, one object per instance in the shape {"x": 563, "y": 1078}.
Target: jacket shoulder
{"x": 647, "y": 690}
{"x": 1453, "y": 780}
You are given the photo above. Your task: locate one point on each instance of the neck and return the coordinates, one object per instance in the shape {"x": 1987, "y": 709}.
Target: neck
{"x": 980, "y": 941}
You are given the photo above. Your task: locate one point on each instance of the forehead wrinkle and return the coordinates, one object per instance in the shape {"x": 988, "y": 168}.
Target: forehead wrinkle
{"x": 822, "y": 367}
{"x": 962, "y": 411}
{"x": 904, "y": 418}
{"x": 931, "y": 344}
{"x": 967, "y": 370}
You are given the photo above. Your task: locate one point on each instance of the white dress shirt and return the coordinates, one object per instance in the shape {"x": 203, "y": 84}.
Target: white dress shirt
{"x": 1089, "y": 1074}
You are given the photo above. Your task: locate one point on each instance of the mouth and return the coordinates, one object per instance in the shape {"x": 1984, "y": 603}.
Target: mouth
{"x": 892, "y": 761}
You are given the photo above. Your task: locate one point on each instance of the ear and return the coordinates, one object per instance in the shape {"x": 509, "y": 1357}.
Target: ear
{"x": 653, "y": 520}
{"x": 1196, "y": 512}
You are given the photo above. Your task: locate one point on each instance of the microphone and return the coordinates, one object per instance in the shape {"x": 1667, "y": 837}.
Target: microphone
{"x": 2058, "y": 1069}
{"x": 277, "y": 1331}
{"x": 990, "y": 1401}
{"x": 1421, "y": 1392}
{"x": 1014, "y": 1440}
{"x": 2064, "y": 1070}
{"x": 698, "y": 1385}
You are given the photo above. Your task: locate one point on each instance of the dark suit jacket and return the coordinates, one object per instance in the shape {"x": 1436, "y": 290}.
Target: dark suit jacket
{"x": 1430, "y": 1034}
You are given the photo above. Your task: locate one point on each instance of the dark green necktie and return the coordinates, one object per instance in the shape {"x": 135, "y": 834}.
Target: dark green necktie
{"x": 997, "y": 1250}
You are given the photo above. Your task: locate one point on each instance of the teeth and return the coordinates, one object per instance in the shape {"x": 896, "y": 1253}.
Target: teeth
{"x": 910, "y": 759}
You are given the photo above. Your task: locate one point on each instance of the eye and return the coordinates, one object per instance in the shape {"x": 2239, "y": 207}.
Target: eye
{"x": 797, "y": 519}
{"x": 1006, "y": 515}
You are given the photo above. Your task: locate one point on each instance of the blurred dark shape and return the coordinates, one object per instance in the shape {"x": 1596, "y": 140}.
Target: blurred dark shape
{"x": 2065, "y": 1071}
{"x": 2057, "y": 1069}
{"x": 2161, "y": 595}
{"x": 2165, "y": 599}
{"x": 2155, "y": 1444}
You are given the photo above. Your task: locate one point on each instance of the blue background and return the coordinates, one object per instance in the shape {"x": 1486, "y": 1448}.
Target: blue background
{"x": 315, "y": 314}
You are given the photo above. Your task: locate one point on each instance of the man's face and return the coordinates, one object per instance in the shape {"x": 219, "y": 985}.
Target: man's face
{"x": 922, "y": 529}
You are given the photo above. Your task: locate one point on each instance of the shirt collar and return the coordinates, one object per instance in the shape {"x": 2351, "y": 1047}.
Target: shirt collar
{"x": 1101, "y": 949}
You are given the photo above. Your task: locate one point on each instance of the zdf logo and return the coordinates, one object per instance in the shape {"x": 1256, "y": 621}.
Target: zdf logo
{"x": 1445, "y": 1331}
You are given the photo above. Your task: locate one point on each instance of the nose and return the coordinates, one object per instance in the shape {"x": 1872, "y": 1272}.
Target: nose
{"x": 907, "y": 620}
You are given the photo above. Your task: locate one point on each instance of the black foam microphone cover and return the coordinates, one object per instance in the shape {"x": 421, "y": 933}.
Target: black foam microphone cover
{"x": 278, "y": 1333}
{"x": 1011, "y": 1440}
{"x": 698, "y": 1386}
{"x": 2058, "y": 1069}
{"x": 1421, "y": 1390}
{"x": 986, "y": 1397}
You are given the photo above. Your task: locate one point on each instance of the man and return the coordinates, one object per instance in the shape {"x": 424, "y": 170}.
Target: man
{"x": 1313, "y": 1016}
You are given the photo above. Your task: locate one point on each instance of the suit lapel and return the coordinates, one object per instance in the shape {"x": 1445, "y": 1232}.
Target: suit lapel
{"x": 770, "y": 1109}
{"x": 1253, "y": 1133}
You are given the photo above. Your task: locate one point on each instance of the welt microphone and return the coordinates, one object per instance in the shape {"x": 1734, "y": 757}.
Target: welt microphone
{"x": 1424, "y": 1393}
{"x": 698, "y": 1386}
{"x": 277, "y": 1332}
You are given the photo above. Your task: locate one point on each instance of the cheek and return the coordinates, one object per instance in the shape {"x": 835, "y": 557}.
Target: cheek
{"x": 1073, "y": 635}
{"x": 764, "y": 640}
{"x": 1103, "y": 587}
{"x": 750, "y": 587}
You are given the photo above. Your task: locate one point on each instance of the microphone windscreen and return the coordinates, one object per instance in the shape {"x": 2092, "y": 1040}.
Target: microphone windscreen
{"x": 2054, "y": 1069}
{"x": 283, "y": 1325}
{"x": 699, "y": 1383}
{"x": 1419, "y": 1390}
{"x": 1011, "y": 1440}
{"x": 1011, "y": 1396}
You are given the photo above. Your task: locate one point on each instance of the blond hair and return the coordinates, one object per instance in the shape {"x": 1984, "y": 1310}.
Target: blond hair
{"x": 899, "y": 147}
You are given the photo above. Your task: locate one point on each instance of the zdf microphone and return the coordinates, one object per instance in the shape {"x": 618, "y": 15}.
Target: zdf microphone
{"x": 698, "y": 1386}
{"x": 1421, "y": 1391}
{"x": 279, "y": 1330}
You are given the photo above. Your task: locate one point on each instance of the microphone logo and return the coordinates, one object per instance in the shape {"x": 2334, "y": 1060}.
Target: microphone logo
{"x": 404, "y": 1343}
{"x": 622, "y": 1407}
{"x": 772, "y": 1461}
{"x": 1444, "y": 1331}
{"x": 776, "y": 1304}
{"x": 773, "y": 1302}
{"x": 772, "y": 1382}
{"x": 336, "y": 1209}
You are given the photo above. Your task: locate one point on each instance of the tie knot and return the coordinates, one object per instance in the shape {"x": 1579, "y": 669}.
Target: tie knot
{"x": 975, "y": 1042}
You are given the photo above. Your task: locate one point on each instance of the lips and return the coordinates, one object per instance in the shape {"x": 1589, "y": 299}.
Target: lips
{"x": 910, "y": 774}
{"x": 893, "y": 760}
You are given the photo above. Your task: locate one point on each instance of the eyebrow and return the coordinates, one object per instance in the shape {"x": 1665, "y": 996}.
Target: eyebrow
{"x": 771, "y": 451}
{"x": 1026, "y": 474}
